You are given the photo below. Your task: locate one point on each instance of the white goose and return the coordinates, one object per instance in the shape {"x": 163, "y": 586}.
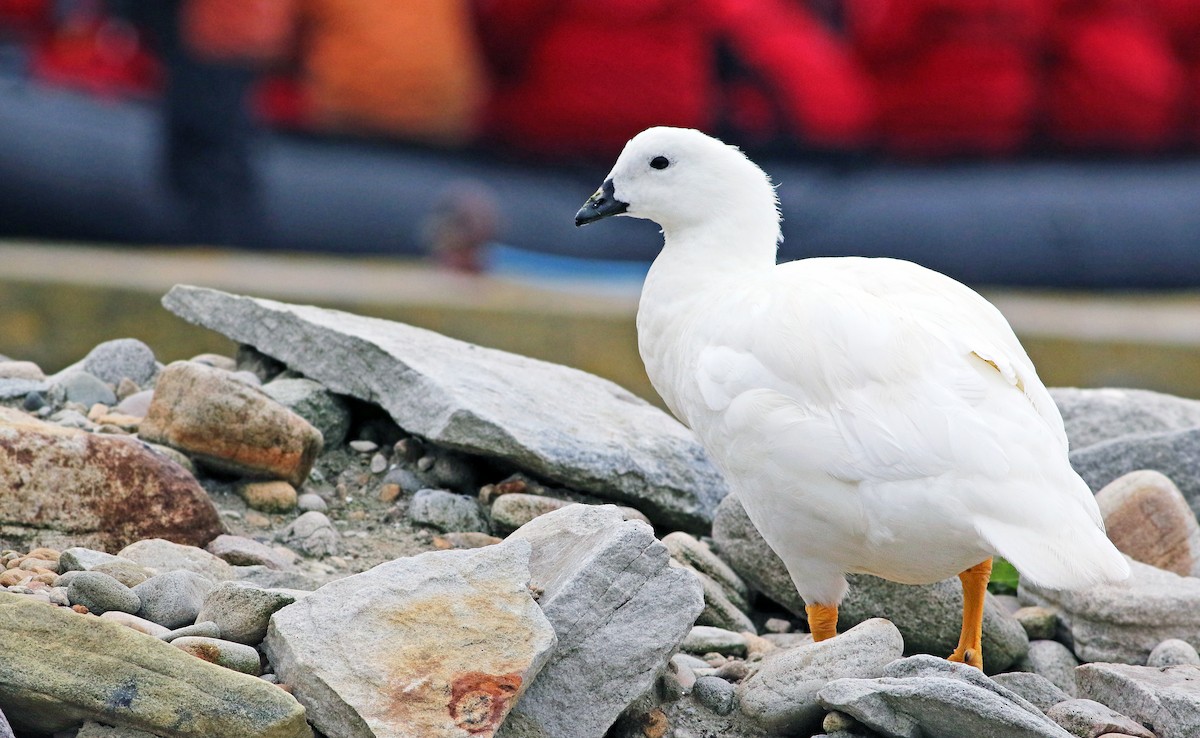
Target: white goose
{"x": 873, "y": 416}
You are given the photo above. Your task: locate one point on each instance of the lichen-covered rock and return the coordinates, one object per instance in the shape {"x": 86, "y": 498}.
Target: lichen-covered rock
{"x": 65, "y": 486}
{"x": 66, "y": 668}
{"x": 439, "y": 645}
{"x": 229, "y": 425}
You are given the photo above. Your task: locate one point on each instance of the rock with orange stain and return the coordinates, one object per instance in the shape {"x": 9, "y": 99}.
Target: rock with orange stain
{"x": 66, "y": 486}
{"x": 228, "y": 425}
{"x": 440, "y": 645}
{"x": 608, "y": 587}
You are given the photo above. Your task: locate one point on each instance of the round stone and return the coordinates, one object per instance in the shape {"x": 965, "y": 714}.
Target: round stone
{"x": 1173, "y": 652}
{"x": 714, "y": 693}
{"x": 271, "y": 497}
{"x": 100, "y": 593}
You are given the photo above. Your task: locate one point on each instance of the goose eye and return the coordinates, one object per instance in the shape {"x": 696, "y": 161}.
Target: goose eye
{"x": 660, "y": 162}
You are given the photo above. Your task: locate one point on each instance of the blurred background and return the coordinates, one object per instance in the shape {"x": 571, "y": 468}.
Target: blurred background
{"x": 422, "y": 160}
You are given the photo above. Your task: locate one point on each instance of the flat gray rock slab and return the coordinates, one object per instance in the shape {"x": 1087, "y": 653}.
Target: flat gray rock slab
{"x": 567, "y": 426}
{"x": 439, "y": 645}
{"x": 921, "y": 697}
{"x": 1123, "y": 622}
{"x": 1165, "y": 700}
{"x": 619, "y": 609}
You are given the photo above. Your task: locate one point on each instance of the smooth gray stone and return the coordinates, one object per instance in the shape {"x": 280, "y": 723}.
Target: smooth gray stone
{"x": 447, "y": 511}
{"x": 483, "y": 401}
{"x": 781, "y": 695}
{"x": 1123, "y": 622}
{"x": 242, "y": 611}
{"x": 310, "y": 400}
{"x": 100, "y": 593}
{"x": 1039, "y": 690}
{"x": 921, "y": 697}
{"x": 312, "y": 533}
{"x": 719, "y": 611}
{"x": 173, "y": 599}
{"x": 928, "y": 616}
{"x": 1088, "y": 719}
{"x": 702, "y": 639}
{"x": 1167, "y": 700}
{"x": 112, "y": 361}
{"x": 82, "y": 559}
{"x": 205, "y": 629}
{"x": 614, "y": 600}
{"x": 714, "y": 693}
{"x": 231, "y": 655}
{"x": 1173, "y": 652}
{"x": 81, "y": 387}
{"x": 164, "y": 556}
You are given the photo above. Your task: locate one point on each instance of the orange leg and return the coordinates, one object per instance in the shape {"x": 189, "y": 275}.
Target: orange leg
{"x": 822, "y": 621}
{"x": 974, "y": 584}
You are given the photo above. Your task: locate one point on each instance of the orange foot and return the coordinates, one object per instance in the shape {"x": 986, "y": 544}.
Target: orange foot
{"x": 822, "y": 621}
{"x": 970, "y": 641}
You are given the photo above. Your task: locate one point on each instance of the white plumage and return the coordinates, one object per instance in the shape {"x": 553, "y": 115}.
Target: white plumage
{"x": 873, "y": 416}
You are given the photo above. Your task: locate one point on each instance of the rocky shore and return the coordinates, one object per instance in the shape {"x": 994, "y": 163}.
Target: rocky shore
{"x": 359, "y": 528}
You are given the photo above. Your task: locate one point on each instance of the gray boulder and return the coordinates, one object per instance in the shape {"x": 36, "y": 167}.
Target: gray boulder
{"x": 1173, "y": 453}
{"x": 65, "y": 669}
{"x": 781, "y": 695}
{"x": 619, "y": 610}
{"x": 242, "y": 611}
{"x": 121, "y": 358}
{"x": 1166, "y": 700}
{"x": 164, "y": 556}
{"x": 1093, "y": 416}
{"x": 928, "y": 616}
{"x": 483, "y": 401}
{"x": 456, "y": 636}
{"x": 922, "y": 697}
{"x": 1123, "y": 622}
{"x": 100, "y": 593}
{"x": 1173, "y": 652}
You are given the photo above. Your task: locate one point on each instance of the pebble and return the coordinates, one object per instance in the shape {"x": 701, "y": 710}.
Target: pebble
{"x": 379, "y": 464}
{"x": 242, "y": 611}
{"x": 778, "y": 625}
{"x": 714, "y": 693}
{"x": 835, "y": 721}
{"x": 242, "y": 551}
{"x": 84, "y": 388}
{"x": 135, "y": 405}
{"x": 1040, "y": 623}
{"x": 115, "y": 360}
{"x": 364, "y": 447}
{"x": 129, "y": 573}
{"x": 270, "y": 497}
{"x": 311, "y": 502}
{"x": 678, "y": 678}
{"x": 1173, "y": 652}
{"x": 205, "y": 629}
{"x": 141, "y": 625}
{"x": 312, "y": 533}
{"x": 704, "y": 639}
{"x": 100, "y": 593}
{"x": 127, "y": 388}
{"x": 236, "y": 656}
{"x": 515, "y": 509}
{"x": 173, "y": 599}
{"x": 447, "y": 511}
{"x": 21, "y": 370}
